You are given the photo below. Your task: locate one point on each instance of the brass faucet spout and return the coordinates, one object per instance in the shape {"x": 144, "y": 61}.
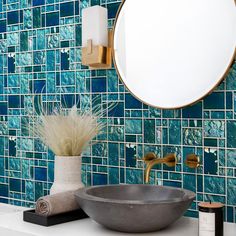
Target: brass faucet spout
{"x": 170, "y": 160}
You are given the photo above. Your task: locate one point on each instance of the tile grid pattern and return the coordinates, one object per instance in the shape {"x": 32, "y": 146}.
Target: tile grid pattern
{"x": 40, "y": 56}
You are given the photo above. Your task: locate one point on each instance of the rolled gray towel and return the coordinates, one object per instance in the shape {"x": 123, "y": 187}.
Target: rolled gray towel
{"x": 56, "y": 204}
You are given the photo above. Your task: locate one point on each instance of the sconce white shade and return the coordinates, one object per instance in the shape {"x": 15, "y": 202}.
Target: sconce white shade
{"x": 94, "y": 26}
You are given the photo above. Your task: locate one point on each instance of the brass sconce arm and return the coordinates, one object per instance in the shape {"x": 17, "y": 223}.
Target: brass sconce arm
{"x": 98, "y": 56}
{"x": 151, "y": 160}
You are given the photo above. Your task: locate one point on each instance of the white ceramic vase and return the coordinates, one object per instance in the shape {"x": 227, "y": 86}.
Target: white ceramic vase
{"x": 67, "y": 174}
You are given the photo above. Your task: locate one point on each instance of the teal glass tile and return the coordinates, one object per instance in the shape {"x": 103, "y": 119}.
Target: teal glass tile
{"x": 230, "y": 214}
{"x": 175, "y": 176}
{"x": 199, "y": 183}
{"x": 3, "y": 26}
{"x": 78, "y": 35}
{"x": 13, "y": 39}
{"x": 192, "y": 136}
{"x": 27, "y": 18}
{"x": 149, "y": 131}
{"x": 112, "y": 80}
{"x": 210, "y": 142}
{"x": 214, "y": 128}
{"x": 117, "y": 110}
{"x": 175, "y": 132}
{"x": 165, "y": 135}
{"x": 99, "y": 85}
{"x": 113, "y": 175}
{"x": 13, "y": 17}
{"x": 218, "y": 115}
{"x": 40, "y": 39}
{"x": 231, "y": 160}
{"x": 14, "y": 101}
{"x": 215, "y": 101}
{"x": 231, "y": 131}
{"x": 113, "y": 153}
{"x": 229, "y": 100}
{"x": 24, "y": 41}
{"x": 12, "y": 147}
{"x": 99, "y": 179}
{"x": 15, "y": 185}
{"x": 40, "y": 58}
{"x": 66, "y": 9}
{"x": 95, "y": 2}
{"x": 130, "y": 152}
{"x": 67, "y": 32}
{"x": 230, "y": 80}
{"x": 52, "y": 19}
{"x": 132, "y": 103}
{"x": 231, "y": 191}
{"x": 65, "y": 63}
{"x": 210, "y": 161}
{"x": 53, "y": 41}
{"x": 193, "y": 214}
{"x": 214, "y": 185}
{"x": 65, "y": 44}
{"x": 38, "y": 190}
{"x": 4, "y": 190}
{"x": 11, "y": 63}
{"x": 172, "y": 184}
{"x": 133, "y": 126}
{"x": 194, "y": 111}
{"x": 14, "y": 122}
{"x": 112, "y": 9}
{"x": 38, "y": 2}
{"x": 50, "y": 60}
{"x": 195, "y": 123}
{"x": 69, "y": 100}
{"x": 36, "y": 17}
{"x": 14, "y": 164}
{"x": 40, "y": 174}
{"x": 134, "y": 176}
{"x": 2, "y": 171}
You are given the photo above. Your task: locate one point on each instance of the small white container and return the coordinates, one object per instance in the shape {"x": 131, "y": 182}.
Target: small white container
{"x": 67, "y": 174}
{"x": 210, "y": 219}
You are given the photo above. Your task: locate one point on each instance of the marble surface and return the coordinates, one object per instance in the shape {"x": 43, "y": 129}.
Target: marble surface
{"x": 12, "y": 225}
{"x": 7, "y": 209}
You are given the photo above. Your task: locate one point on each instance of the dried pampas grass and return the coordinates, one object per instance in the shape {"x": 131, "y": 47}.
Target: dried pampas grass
{"x": 68, "y": 134}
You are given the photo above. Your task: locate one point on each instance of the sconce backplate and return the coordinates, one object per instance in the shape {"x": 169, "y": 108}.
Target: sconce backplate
{"x": 98, "y": 56}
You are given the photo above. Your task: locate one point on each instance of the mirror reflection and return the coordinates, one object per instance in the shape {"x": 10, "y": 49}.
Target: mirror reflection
{"x": 171, "y": 53}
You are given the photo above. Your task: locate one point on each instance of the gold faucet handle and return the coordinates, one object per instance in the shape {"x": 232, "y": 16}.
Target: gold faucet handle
{"x": 149, "y": 156}
{"x": 170, "y": 160}
{"x": 193, "y": 161}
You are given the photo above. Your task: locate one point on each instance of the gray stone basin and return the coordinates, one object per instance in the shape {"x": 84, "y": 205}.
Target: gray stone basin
{"x": 134, "y": 208}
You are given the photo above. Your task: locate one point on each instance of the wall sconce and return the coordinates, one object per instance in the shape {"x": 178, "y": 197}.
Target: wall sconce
{"x": 96, "y": 39}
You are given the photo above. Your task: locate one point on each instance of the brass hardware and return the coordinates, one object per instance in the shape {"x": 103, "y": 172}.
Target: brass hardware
{"x": 193, "y": 161}
{"x": 149, "y": 156}
{"x": 151, "y": 160}
{"x": 97, "y": 56}
{"x": 89, "y": 46}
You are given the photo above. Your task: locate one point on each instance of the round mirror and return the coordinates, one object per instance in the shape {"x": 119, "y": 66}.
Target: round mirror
{"x": 172, "y": 53}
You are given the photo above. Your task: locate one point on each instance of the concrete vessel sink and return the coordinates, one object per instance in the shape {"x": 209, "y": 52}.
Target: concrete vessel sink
{"x": 134, "y": 208}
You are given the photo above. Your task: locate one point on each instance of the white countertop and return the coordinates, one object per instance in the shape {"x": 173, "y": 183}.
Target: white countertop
{"x": 13, "y": 225}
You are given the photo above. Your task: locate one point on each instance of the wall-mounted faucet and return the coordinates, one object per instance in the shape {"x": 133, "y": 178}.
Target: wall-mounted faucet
{"x": 151, "y": 160}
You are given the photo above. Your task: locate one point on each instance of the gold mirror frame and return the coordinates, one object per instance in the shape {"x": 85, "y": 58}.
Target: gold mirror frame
{"x": 232, "y": 61}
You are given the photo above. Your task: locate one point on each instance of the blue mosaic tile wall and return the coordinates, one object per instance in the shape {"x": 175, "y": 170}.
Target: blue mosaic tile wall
{"x": 40, "y": 52}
